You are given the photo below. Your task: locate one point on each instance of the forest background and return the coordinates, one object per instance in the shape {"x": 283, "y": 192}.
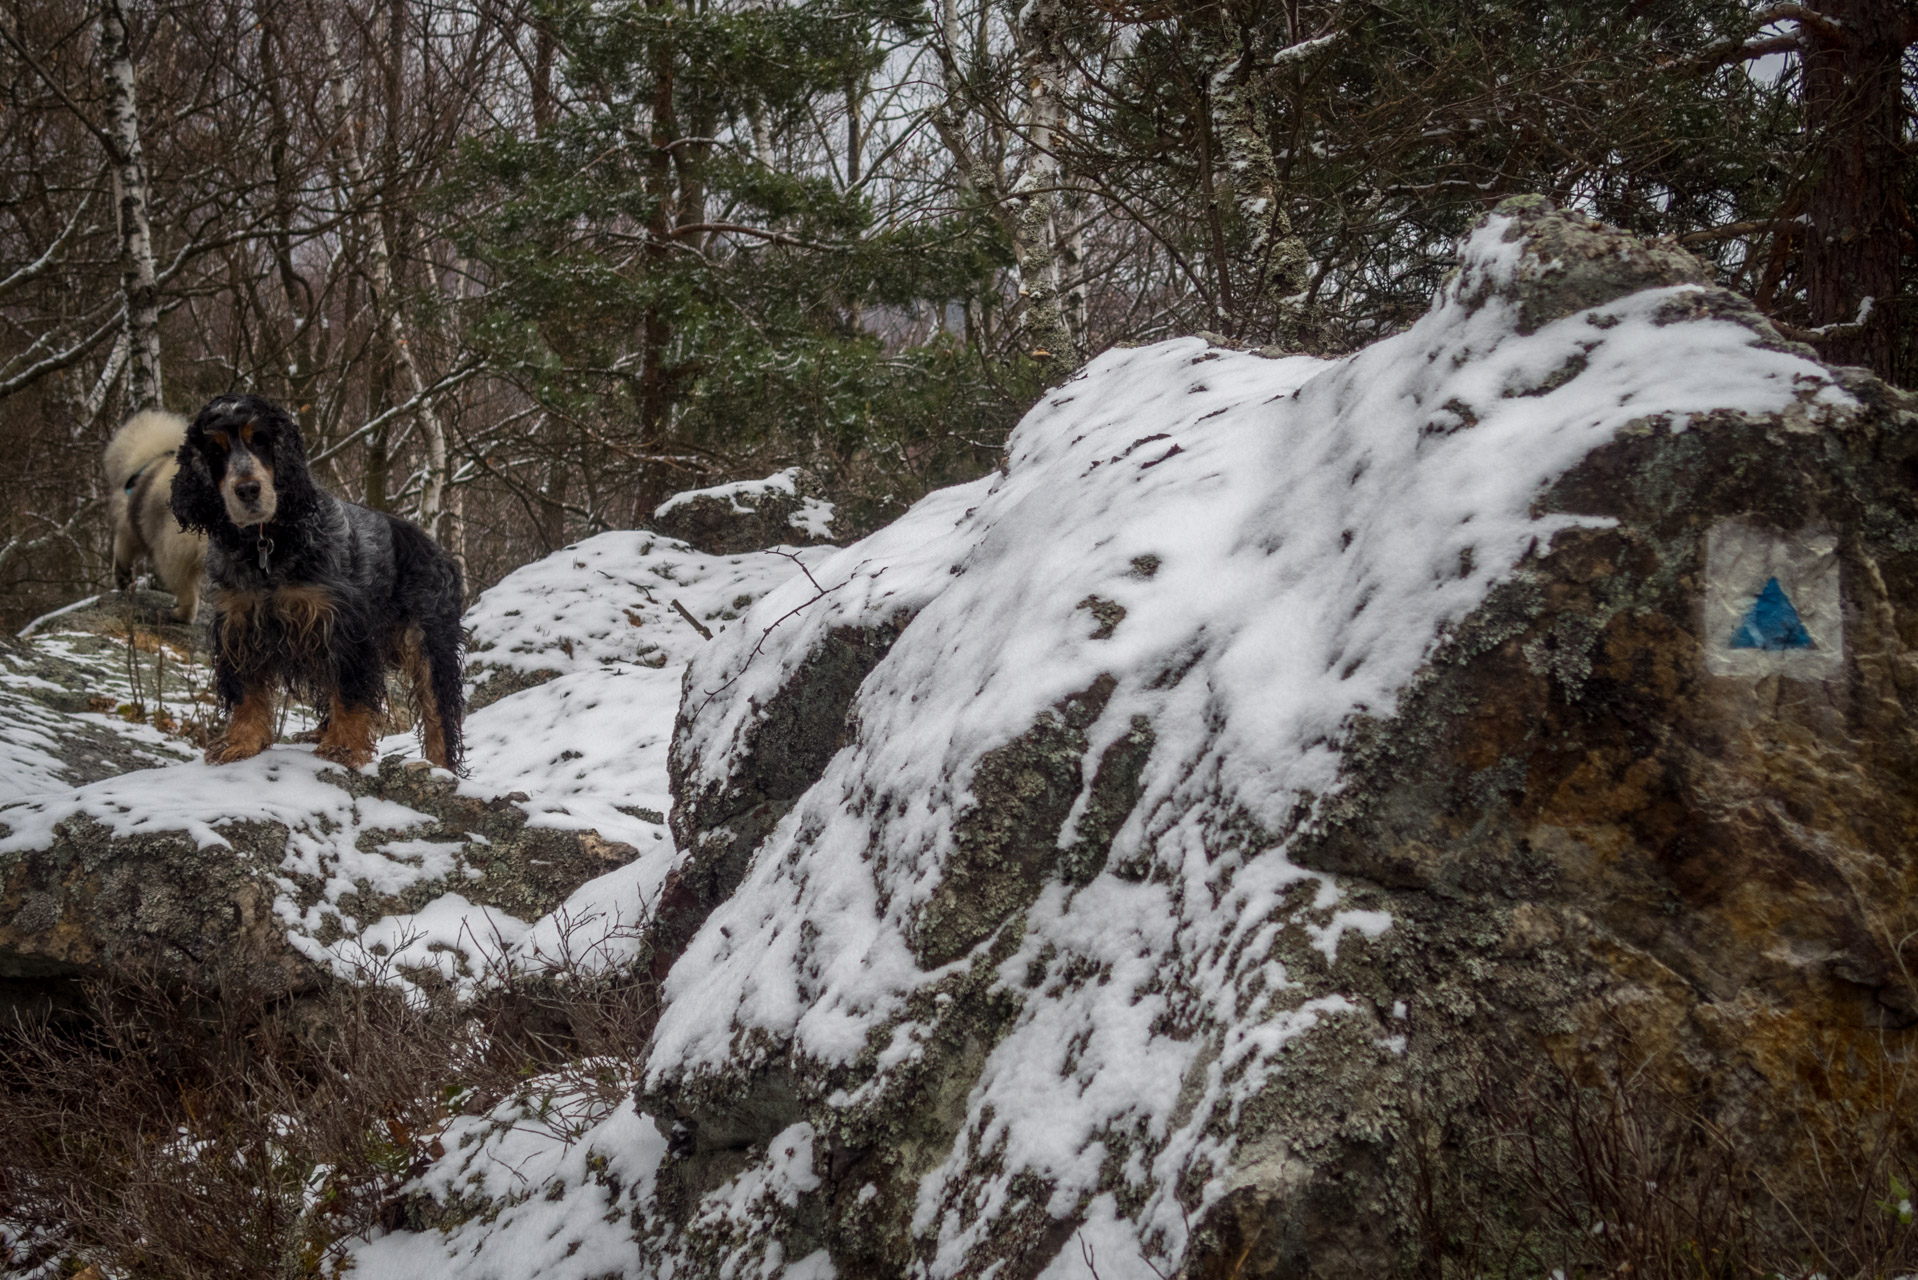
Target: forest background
{"x": 526, "y": 267}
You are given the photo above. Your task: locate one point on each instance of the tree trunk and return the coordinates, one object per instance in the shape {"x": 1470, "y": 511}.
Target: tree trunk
{"x": 409, "y": 386}
{"x": 1048, "y": 335}
{"x": 138, "y": 278}
{"x": 854, "y": 143}
{"x": 552, "y": 494}
{"x": 1028, "y": 215}
{"x": 303, "y": 369}
{"x": 545, "y": 103}
{"x": 379, "y": 454}
{"x": 1854, "y": 247}
{"x": 1276, "y": 258}
{"x": 656, "y": 336}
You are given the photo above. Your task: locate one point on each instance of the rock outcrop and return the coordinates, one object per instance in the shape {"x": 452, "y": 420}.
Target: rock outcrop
{"x": 283, "y": 870}
{"x": 748, "y": 515}
{"x": 291, "y": 858}
{"x": 1172, "y": 842}
{"x": 70, "y": 711}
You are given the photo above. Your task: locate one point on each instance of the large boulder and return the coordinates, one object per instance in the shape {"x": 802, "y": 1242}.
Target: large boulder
{"x": 1172, "y": 846}
{"x": 748, "y": 515}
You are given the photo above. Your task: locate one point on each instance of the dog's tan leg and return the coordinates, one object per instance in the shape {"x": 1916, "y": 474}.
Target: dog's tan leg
{"x": 182, "y": 561}
{"x": 126, "y": 550}
{"x": 348, "y": 739}
{"x": 250, "y": 729}
{"x": 419, "y": 669}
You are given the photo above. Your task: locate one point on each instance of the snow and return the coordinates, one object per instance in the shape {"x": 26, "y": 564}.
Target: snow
{"x": 562, "y": 1198}
{"x": 30, "y": 762}
{"x": 448, "y": 935}
{"x": 589, "y": 746}
{"x": 813, "y": 519}
{"x": 784, "y": 482}
{"x": 1289, "y": 540}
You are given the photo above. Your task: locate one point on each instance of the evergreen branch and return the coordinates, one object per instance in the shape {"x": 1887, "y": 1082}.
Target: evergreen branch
{"x": 1805, "y": 16}
{"x": 740, "y": 228}
{"x": 1731, "y": 230}
{"x": 1833, "y": 332}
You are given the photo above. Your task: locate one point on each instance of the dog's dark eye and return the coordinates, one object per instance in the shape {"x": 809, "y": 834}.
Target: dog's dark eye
{"x": 220, "y": 440}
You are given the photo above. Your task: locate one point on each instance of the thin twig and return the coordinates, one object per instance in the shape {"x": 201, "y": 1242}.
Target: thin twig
{"x": 820, "y": 594}
{"x": 697, "y": 624}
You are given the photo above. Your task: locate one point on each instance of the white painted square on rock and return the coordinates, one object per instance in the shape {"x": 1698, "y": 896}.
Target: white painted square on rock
{"x": 1740, "y": 561}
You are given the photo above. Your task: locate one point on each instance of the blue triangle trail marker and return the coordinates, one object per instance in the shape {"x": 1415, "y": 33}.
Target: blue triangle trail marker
{"x": 1771, "y": 623}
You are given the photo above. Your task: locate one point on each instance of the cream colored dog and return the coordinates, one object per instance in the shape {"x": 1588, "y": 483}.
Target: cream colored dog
{"x": 140, "y": 467}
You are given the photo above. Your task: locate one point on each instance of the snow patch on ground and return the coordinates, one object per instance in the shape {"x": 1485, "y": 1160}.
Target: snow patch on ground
{"x": 589, "y": 746}
{"x": 556, "y": 1198}
{"x": 38, "y": 737}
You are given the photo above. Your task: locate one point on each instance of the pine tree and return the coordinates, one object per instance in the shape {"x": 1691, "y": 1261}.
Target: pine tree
{"x": 1305, "y": 167}
{"x": 665, "y": 274}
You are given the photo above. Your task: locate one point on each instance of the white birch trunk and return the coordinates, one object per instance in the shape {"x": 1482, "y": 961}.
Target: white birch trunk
{"x": 1029, "y": 214}
{"x": 1283, "y": 264}
{"x": 96, "y": 399}
{"x": 138, "y": 278}
{"x": 433, "y": 512}
{"x": 1072, "y": 271}
{"x": 1038, "y": 190}
{"x": 762, "y": 138}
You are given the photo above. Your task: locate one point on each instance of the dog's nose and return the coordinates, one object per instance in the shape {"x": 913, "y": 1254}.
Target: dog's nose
{"x": 247, "y": 491}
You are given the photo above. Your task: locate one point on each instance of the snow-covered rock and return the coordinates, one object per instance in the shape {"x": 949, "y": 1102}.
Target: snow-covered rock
{"x": 748, "y": 515}
{"x": 62, "y": 694}
{"x": 1150, "y": 856}
{"x": 1155, "y": 857}
{"x": 285, "y": 867}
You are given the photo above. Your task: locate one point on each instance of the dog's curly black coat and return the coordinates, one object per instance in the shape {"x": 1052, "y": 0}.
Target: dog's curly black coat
{"x": 317, "y": 594}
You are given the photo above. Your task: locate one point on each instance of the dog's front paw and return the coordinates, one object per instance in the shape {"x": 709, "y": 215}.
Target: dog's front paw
{"x": 351, "y": 755}
{"x": 226, "y": 751}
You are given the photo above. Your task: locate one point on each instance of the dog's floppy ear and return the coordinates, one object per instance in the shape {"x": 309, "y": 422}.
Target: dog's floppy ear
{"x": 196, "y": 497}
{"x": 294, "y": 483}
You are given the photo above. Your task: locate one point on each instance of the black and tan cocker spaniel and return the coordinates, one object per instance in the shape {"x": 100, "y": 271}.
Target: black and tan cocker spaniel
{"x": 319, "y": 595}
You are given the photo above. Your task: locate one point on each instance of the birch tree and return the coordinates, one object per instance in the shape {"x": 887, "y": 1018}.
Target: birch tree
{"x": 395, "y": 333}
{"x": 974, "y": 124}
{"x": 139, "y": 279}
